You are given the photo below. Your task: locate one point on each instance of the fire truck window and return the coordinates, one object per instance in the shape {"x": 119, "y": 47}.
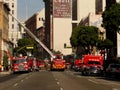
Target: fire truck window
{"x": 94, "y": 62}
{"x": 21, "y": 61}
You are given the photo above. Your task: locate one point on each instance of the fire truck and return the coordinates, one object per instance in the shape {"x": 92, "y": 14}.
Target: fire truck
{"x": 78, "y": 64}
{"x": 20, "y": 64}
{"x": 33, "y": 63}
{"x": 92, "y": 65}
{"x": 28, "y": 31}
{"x": 57, "y": 62}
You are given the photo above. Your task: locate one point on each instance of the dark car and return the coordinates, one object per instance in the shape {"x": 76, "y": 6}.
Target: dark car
{"x": 113, "y": 70}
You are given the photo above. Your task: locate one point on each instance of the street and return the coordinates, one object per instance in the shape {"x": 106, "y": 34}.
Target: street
{"x": 56, "y": 80}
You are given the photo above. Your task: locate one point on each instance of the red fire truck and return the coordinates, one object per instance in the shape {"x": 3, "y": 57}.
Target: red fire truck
{"x": 78, "y": 64}
{"x": 20, "y": 64}
{"x": 57, "y": 62}
{"x": 33, "y": 63}
{"x": 25, "y": 63}
{"x": 92, "y": 64}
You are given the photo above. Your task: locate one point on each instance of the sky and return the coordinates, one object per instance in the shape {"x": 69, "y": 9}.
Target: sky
{"x": 26, "y": 8}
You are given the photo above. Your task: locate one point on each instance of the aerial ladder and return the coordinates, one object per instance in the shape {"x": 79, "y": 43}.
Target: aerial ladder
{"x": 33, "y": 36}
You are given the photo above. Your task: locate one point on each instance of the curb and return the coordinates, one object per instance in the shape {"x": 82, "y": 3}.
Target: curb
{"x": 5, "y": 73}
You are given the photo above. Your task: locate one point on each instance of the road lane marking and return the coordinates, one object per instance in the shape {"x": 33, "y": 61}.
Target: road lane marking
{"x": 92, "y": 81}
{"x": 22, "y": 80}
{"x": 15, "y": 84}
{"x": 61, "y": 89}
{"x": 58, "y": 82}
{"x": 27, "y": 78}
{"x": 56, "y": 79}
{"x": 79, "y": 76}
{"x": 115, "y": 89}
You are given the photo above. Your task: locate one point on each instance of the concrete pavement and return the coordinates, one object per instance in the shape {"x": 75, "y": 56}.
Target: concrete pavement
{"x": 5, "y": 73}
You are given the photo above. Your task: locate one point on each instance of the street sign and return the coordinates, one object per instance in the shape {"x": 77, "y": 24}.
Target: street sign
{"x": 29, "y": 47}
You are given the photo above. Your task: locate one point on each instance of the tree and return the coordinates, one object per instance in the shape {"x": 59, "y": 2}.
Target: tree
{"x": 111, "y": 18}
{"x": 111, "y": 22}
{"x": 5, "y": 62}
{"x": 22, "y": 44}
{"x": 104, "y": 44}
{"x": 25, "y": 41}
{"x": 85, "y": 36}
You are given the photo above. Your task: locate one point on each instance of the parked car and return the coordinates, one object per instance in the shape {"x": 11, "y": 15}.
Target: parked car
{"x": 113, "y": 70}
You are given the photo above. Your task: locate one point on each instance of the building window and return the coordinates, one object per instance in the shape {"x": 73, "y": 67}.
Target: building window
{"x": 99, "y": 6}
{"x": 12, "y": 5}
{"x": 74, "y": 10}
{"x": 12, "y": 26}
{"x": 39, "y": 19}
{"x": 12, "y": 11}
{"x": 12, "y": 19}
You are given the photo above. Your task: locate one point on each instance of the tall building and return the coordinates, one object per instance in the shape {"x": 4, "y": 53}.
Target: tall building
{"x": 56, "y": 22}
{"x": 37, "y": 18}
{"x": 4, "y": 41}
{"x": 58, "y": 27}
{"x": 37, "y": 28}
{"x": 81, "y": 9}
{"x": 13, "y": 25}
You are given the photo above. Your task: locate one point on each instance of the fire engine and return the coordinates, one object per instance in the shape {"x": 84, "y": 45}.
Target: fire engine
{"x": 77, "y": 64}
{"x": 92, "y": 64}
{"x": 20, "y": 64}
{"x": 57, "y": 62}
{"x": 33, "y": 63}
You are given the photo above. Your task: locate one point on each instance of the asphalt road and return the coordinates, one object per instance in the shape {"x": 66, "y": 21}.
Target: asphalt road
{"x": 57, "y": 80}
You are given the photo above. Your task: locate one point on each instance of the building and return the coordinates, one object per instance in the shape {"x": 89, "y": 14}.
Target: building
{"x": 81, "y": 9}
{"x": 35, "y": 21}
{"x": 40, "y": 52}
{"x": 14, "y": 34}
{"x": 36, "y": 25}
{"x": 58, "y": 27}
{"x": 4, "y": 28}
{"x": 95, "y": 20}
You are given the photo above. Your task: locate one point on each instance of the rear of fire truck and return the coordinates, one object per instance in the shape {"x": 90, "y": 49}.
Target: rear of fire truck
{"x": 57, "y": 62}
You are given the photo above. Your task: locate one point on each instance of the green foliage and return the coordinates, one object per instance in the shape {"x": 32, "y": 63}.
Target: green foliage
{"x": 111, "y": 18}
{"x": 22, "y": 44}
{"x": 5, "y": 62}
{"x": 84, "y": 36}
{"x": 25, "y": 41}
{"x": 106, "y": 44}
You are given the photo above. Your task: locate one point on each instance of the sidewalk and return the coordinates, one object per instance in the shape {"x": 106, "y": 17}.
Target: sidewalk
{"x": 5, "y": 73}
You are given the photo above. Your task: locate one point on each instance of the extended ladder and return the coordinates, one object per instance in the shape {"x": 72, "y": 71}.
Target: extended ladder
{"x": 33, "y": 36}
